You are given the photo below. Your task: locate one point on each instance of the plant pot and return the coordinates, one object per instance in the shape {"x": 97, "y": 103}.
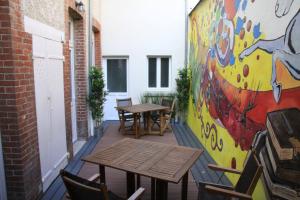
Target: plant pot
{"x": 98, "y": 129}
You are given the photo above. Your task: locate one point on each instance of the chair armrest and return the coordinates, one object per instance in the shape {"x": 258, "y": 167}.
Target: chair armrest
{"x": 229, "y": 193}
{"x": 137, "y": 194}
{"x": 95, "y": 177}
{"x": 68, "y": 196}
{"x": 202, "y": 184}
{"x": 224, "y": 169}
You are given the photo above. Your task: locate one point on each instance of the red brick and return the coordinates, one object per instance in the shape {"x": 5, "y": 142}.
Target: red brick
{"x": 15, "y": 64}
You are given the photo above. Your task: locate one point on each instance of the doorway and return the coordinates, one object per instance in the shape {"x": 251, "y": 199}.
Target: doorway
{"x": 116, "y": 83}
{"x": 73, "y": 81}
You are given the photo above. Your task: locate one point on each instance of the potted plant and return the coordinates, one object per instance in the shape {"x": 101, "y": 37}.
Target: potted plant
{"x": 97, "y": 95}
{"x": 183, "y": 88}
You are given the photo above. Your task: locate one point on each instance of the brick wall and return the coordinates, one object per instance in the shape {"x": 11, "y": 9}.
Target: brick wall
{"x": 81, "y": 72}
{"x": 81, "y": 77}
{"x": 97, "y": 36}
{"x": 67, "y": 81}
{"x": 18, "y": 122}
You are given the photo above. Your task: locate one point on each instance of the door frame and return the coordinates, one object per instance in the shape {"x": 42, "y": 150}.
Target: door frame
{"x": 114, "y": 95}
{"x": 73, "y": 81}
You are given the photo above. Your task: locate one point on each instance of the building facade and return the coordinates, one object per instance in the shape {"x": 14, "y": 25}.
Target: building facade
{"x": 143, "y": 46}
{"x": 241, "y": 70}
{"x": 46, "y": 48}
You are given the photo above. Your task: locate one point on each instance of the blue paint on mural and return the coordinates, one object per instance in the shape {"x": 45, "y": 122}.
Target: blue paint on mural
{"x": 244, "y": 5}
{"x": 256, "y": 31}
{"x": 239, "y": 25}
{"x": 232, "y": 59}
{"x": 237, "y": 4}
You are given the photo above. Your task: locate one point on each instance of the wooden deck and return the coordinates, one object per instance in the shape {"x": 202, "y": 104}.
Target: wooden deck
{"x": 116, "y": 180}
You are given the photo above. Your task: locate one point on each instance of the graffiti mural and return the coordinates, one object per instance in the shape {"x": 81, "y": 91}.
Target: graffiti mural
{"x": 245, "y": 61}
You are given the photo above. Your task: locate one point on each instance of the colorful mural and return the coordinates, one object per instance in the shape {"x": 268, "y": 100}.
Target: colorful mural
{"x": 245, "y": 61}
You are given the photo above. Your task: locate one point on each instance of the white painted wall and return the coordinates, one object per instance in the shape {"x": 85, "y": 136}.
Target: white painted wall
{"x": 138, "y": 28}
{"x": 191, "y": 4}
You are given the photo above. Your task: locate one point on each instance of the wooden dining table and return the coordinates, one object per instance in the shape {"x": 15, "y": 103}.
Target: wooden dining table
{"x": 146, "y": 108}
{"x": 161, "y": 162}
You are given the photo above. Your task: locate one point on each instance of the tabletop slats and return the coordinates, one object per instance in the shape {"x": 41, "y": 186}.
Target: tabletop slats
{"x": 140, "y": 108}
{"x": 157, "y": 160}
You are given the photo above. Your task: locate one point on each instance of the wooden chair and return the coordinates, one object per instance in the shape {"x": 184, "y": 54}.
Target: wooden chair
{"x": 128, "y": 117}
{"x": 80, "y": 189}
{"x": 154, "y": 115}
{"x": 167, "y": 115}
{"x": 244, "y": 187}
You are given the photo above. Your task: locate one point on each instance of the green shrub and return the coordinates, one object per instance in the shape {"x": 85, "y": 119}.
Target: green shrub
{"x": 97, "y": 94}
{"x": 183, "y": 88}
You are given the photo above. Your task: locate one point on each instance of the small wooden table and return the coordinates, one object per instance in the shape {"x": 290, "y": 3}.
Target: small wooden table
{"x": 163, "y": 163}
{"x": 143, "y": 108}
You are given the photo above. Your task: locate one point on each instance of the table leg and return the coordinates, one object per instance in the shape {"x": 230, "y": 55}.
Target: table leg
{"x": 138, "y": 181}
{"x": 161, "y": 190}
{"x": 145, "y": 120}
{"x": 184, "y": 188}
{"x": 130, "y": 183}
{"x": 135, "y": 125}
{"x": 102, "y": 174}
{"x": 153, "y": 188}
{"x": 149, "y": 122}
{"x": 123, "y": 123}
{"x": 161, "y": 123}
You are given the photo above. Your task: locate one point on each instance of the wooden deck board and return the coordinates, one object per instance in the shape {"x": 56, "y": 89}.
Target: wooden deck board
{"x": 184, "y": 135}
{"x": 57, "y": 188}
{"x": 116, "y": 179}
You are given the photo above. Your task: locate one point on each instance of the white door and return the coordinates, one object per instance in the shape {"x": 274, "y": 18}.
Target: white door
{"x": 50, "y": 107}
{"x": 73, "y": 82}
{"x": 2, "y": 175}
{"x": 116, "y": 83}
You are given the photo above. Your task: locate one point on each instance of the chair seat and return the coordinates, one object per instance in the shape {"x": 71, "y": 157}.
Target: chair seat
{"x": 128, "y": 116}
{"x": 79, "y": 188}
{"x": 155, "y": 117}
{"x": 113, "y": 196}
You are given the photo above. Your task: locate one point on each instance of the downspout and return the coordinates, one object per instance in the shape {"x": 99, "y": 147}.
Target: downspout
{"x": 186, "y": 32}
{"x": 3, "y": 194}
{"x": 90, "y": 57}
{"x": 90, "y": 34}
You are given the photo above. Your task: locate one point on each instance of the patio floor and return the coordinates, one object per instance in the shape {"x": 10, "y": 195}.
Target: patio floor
{"x": 116, "y": 179}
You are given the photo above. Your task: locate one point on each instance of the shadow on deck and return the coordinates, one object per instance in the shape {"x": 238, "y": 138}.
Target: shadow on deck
{"x": 116, "y": 179}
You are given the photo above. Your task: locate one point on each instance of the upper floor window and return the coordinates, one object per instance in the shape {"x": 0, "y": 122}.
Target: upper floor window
{"x": 158, "y": 72}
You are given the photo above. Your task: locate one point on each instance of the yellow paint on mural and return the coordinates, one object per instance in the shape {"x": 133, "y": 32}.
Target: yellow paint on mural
{"x": 232, "y": 94}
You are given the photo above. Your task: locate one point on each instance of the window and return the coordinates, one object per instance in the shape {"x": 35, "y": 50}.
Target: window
{"x": 116, "y": 75}
{"x": 158, "y": 72}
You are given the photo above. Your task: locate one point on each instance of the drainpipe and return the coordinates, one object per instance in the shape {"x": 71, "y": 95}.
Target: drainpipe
{"x": 90, "y": 33}
{"x": 90, "y": 57}
{"x": 186, "y": 32}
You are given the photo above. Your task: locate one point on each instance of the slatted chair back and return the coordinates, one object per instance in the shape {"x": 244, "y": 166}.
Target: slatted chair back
{"x": 79, "y": 188}
{"x": 169, "y": 103}
{"x": 250, "y": 175}
{"x": 124, "y": 102}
